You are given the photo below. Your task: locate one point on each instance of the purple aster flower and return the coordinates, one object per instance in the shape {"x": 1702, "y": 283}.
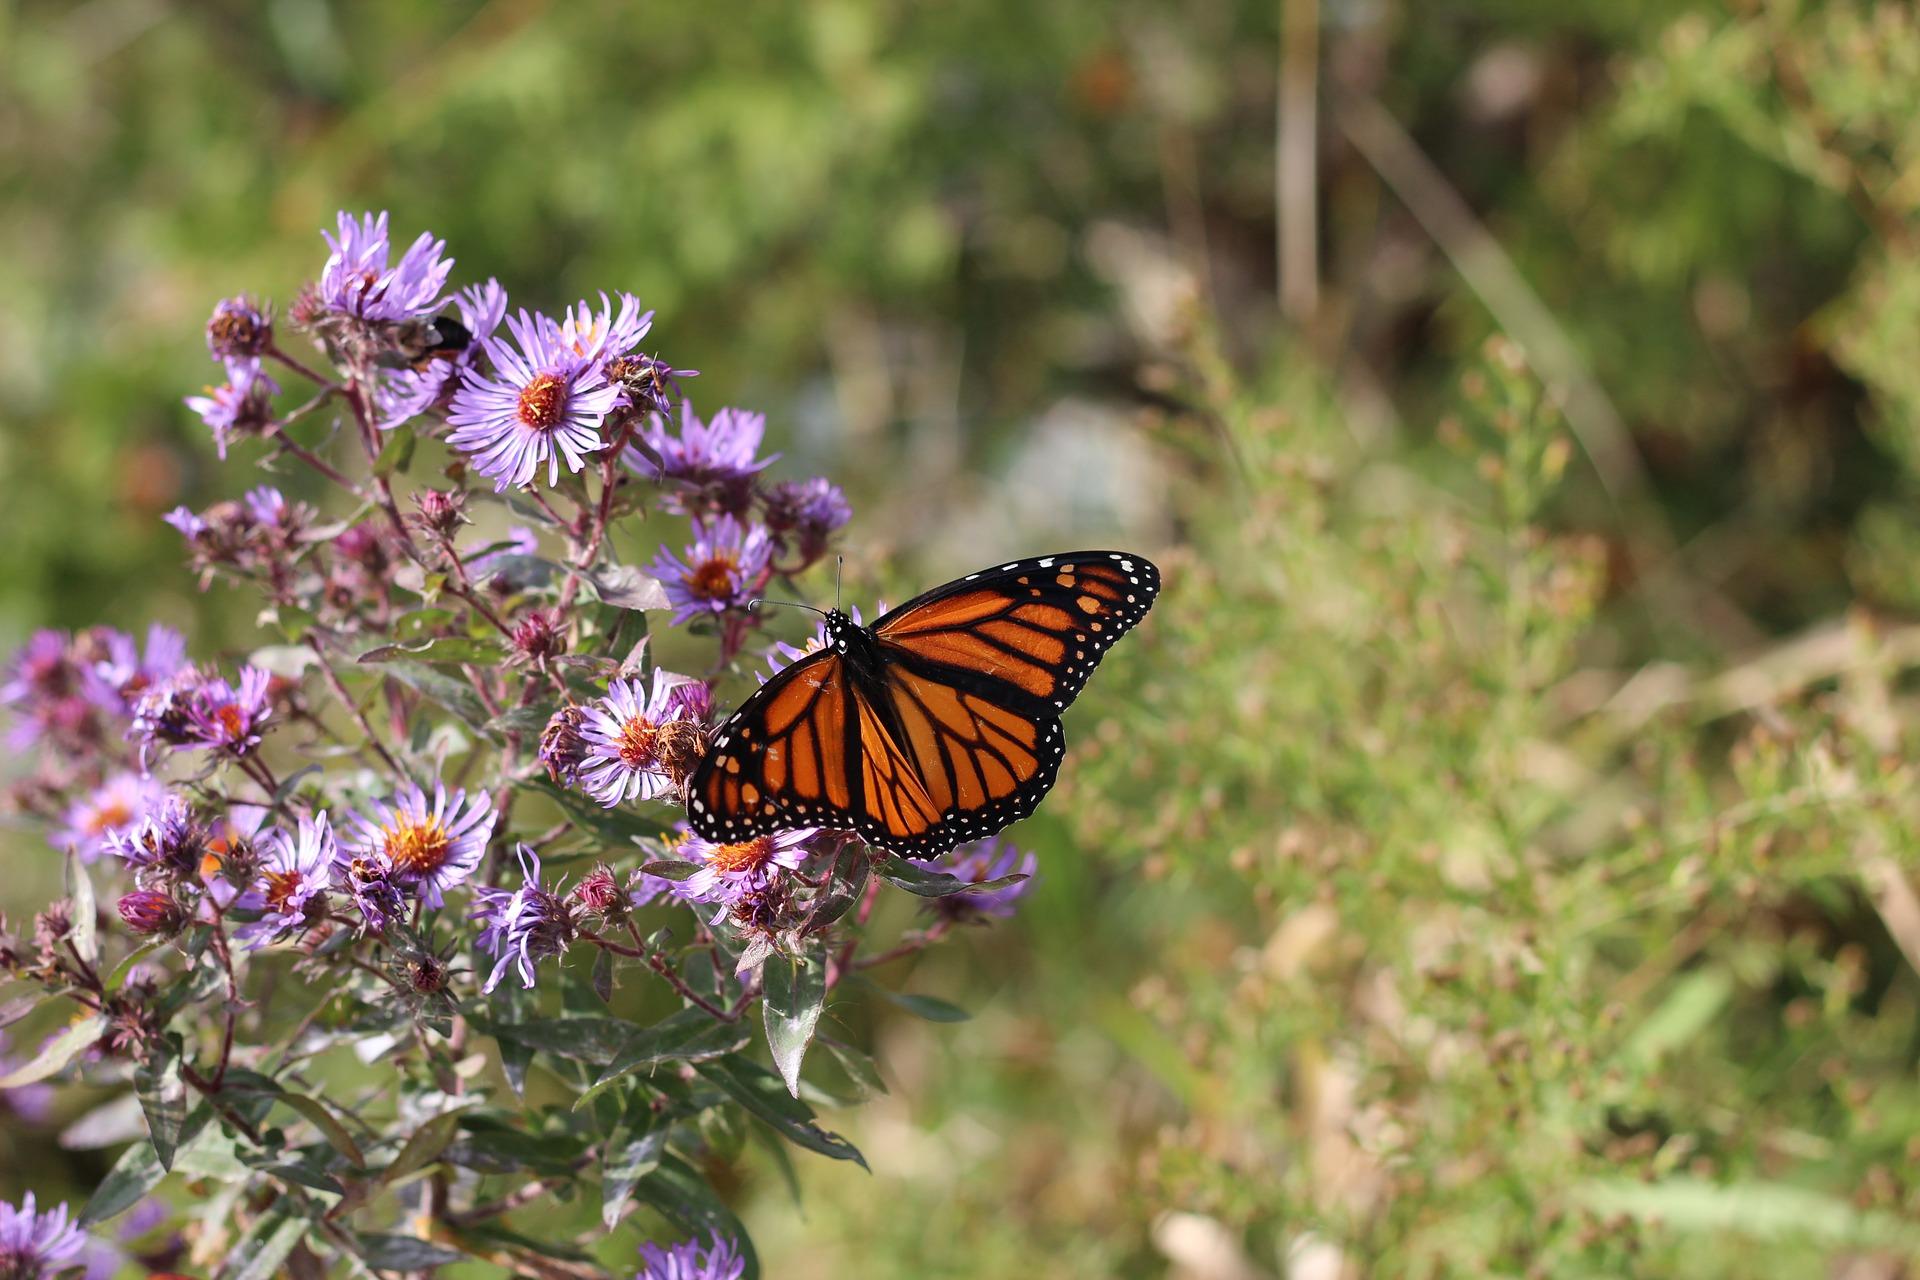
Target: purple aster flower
{"x": 431, "y": 843}
{"x": 977, "y": 863}
{"x": 240, "y": 406}
{"x": 116, "y": 682}
{"x": 294, "y": 872}
{"x": 719, "y": 1259}
{"x": 729, "y": 870}
{"x": 807, "y": 512}
{"x": 521, "y": 927}
{"x": 601, "y": 336}
{"x": 270, "y": 508}
{"x": 167, "y": 838}
{"x": 721, "y": 570}
{"x": 107, "y": 813}
{"x": 710, "y": 465}
{"x": 223, "y": 718}
{"x": 35, "y": 1244}
{"x": 40, "y": 685}
{"x": 191, "y": 526}
{"x": 239, "y": 328}
{"x": 357, "y": 281}
{"x": 546, "y": 405}
{"x": 160, "y": 712}
{"x": 628, "y": 735}
{"x": 407, "y": 393}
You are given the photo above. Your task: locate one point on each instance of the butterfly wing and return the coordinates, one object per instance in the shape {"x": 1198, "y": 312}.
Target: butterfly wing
{"x": 959, "y": 733}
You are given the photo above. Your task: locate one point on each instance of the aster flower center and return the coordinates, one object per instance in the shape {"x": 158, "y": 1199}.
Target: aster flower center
{"x": 111, "y": 814}
{"x": 638, "y": 737}
{"x": 281, "y": 886}
{"x": 232, "y": 721}
{"x": 418, "y": 846}
{"x": 543, "y": 402}
{"x": 747, "y": 855}
{"x": 713, "y": 579}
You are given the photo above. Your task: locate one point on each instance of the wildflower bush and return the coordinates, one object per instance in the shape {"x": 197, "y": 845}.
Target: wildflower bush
{"x": 386, "y": 933}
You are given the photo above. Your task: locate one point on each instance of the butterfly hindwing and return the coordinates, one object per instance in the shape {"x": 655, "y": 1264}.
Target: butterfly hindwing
{"x": 938, "y": 725}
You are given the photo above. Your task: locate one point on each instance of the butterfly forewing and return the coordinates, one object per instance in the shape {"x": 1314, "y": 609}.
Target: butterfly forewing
{"x": 957, "y": 732}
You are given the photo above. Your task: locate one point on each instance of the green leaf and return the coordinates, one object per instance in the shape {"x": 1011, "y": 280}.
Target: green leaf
{"x": 796, "y": 991}
{"x": 931, "y": 1008}
{"x": 327, "y": 1123}
{"x": 454, "y": 649}
{"x": 260, "y": 1252}
{"x": 57, "y": 1053}
{"x": 602, "y": 977}
{"x": 424, "y": 1147}
{"x": 625, "y": 587}
{"x": 522, "y": 572}
{"x": 1760, "y": 1210}
{"x": 385, "y": 1252}
{"x": 765, "y": 1096}
{"x": 691, "y": 1035}
{"x": 397, "y": 453}
{"x": 928, "y": 883}
{"x": 163, "y": 1098}
{"x": 671, "y": 869}
{"x": 455, "y": 695}
{"x": 86, "y": 910}
{"x": 852, "y": 868}
{"x": 135, "y": 1173}
{"x": 860, "y": 1067}
{"x": 690, "y": 1204}
{"x": 633, "y": 1152}
{"x": 593, "y": 1040}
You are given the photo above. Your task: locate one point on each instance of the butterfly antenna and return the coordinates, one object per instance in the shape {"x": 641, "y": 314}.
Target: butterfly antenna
{"x": 791, "y": 604}
{"x": 839, "y": 563}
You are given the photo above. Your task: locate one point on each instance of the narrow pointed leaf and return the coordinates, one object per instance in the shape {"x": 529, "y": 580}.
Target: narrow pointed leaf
{"x": 57, "y": 1053}
{"x": 924, "y": 882}
{"x": 764, "y": 1096}
{"x": 633, "y": 1152}
{"x": 796, "y": 991}
{"x": 86, "y": 910}
{"x": 163, "y": 1099}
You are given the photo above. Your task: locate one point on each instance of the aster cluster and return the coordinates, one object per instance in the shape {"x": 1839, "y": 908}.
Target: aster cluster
{"x": 445, "y": 792}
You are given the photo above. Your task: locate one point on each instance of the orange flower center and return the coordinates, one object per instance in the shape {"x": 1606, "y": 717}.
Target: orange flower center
{"x": 111, "y": 814}
{"x": 637, "y": 739}
{"x": 418, "y": 846}
{"x": 281, "y": 886}
{"x": 231, "y": 720}
{"x": 713, "y": 580}
{"x": 748, "y": 855}
{"x": 543, "y": 402}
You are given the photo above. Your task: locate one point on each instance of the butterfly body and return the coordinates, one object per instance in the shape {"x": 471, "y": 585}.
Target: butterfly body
{"x": 938, "y": 724}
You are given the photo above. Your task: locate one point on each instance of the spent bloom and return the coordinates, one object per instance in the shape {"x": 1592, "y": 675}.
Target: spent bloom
{"x": 977, "y": 863}
{"x": 168, "y": 838}
{"x": 720, "y": 571}
{"x": 294, "y": 871}
{"x": 807, "y": 512}
{"x": 544, "y": 405}
{"x": 630, "y": 733}
{"x": 358, "y": 282}
{"x": 240, "y": 406}
{"x": 36, "y": 1244}
{"x": 521, "y": 927}
{"x": 239, "y": 328}
{"x": 108, "y": 813}
{"x": 368, "y": 878}
{"x": 710, "y": 465}
{"x": 223, "y": 717}
{"x": 431, "y": 843}
{"x": 718, "y": 1259}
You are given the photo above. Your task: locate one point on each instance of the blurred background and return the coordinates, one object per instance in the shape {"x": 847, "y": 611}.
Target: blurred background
{"x": 1494, "y": 856}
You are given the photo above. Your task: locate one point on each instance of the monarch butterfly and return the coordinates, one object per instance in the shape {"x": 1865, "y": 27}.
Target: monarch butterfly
{"x": 938, "y": 724}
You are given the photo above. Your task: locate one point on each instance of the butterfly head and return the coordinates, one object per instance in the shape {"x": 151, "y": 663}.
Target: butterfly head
{"x": 840, "y": 630}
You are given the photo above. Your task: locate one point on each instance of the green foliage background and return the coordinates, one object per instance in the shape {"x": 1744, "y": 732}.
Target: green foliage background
{"x": 1482, "y": 862}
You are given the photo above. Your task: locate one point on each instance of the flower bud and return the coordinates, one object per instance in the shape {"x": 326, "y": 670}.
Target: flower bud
{"x": 539, "y": 636}
{"x": 562, "y": 749}
{"x": 148, "y": 911}
{"x": 441, "y": 511}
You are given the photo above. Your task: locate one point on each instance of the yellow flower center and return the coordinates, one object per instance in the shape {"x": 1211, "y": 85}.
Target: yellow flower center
{"x": 543, "y": 402}
{"x": 281, "y": 886}
{"x": 418, "y": 846}
{"x": 111, "y": 814}
{"x": 637, "y": 739}
{"x": 231, "y": 720}
{"x": 713, "y": 580}
{"x": 748, "y": 855}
